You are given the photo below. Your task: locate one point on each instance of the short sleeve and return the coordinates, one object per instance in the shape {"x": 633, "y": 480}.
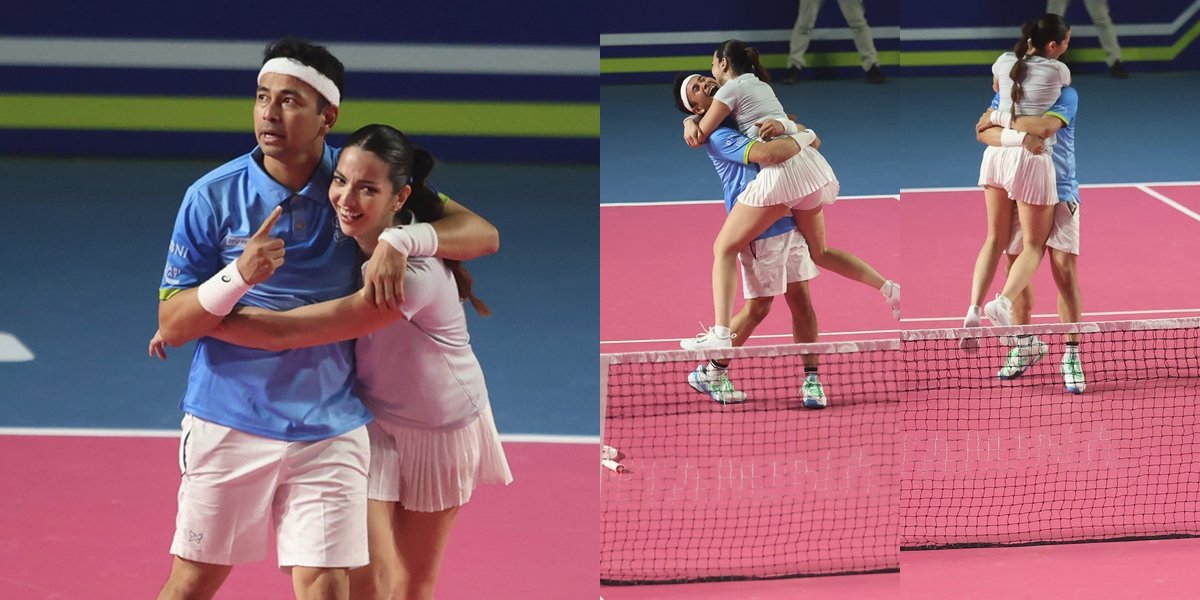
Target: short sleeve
{"x": 420, "y": 285}
{"x": 1064, "y": 74}
{"x": 193, "y": 254}
{"x": 729, "y": 95}
{"x": 1066, "y": 106}
{"x": 995, "y": 101}
{"x": 729, "y": 145}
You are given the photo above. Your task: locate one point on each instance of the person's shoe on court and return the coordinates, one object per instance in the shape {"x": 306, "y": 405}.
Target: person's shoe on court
{"x": 1117, "y": 70}
{"x": 715, "y": 382}
{"x": 999, "y": 311}
{"x": 791, "y": 76}
{"x": 812, "y": 393}
{"x": 875, "y": 75}
{"x": 715, "y": 337}
{"x": 1072, "y": 372}
{"x": 1028, "y": 351}
{"x": 891, "y": 294}
{"x": 973, "y": 319}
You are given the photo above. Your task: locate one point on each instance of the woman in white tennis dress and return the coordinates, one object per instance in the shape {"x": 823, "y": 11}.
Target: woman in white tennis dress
{"x": 799, "y": 186}
{"x": 1029, "y": 79}
{"x": 433, "y": 439}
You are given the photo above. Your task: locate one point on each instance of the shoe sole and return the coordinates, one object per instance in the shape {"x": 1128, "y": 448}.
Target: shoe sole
{"x": 814, "y": 405}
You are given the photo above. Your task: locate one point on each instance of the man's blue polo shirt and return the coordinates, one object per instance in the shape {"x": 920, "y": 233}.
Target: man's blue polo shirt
{"x": 295, "y": 395}
{"x": 730, "y": 154}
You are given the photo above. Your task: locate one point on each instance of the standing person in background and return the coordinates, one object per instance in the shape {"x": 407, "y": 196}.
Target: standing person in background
{"x": 1105, "y": 30}
{"x": 856, "y": 18}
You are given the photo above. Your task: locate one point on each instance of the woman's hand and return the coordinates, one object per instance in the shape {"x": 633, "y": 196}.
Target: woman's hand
{"x": 691, "y": 132}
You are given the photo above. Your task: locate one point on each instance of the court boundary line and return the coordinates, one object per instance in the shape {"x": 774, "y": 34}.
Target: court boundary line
{"x": 694, "y": 202}
{"x": 534, "y": 438}
{"x": 1081, "y": 186}
{"x": 933, "y": 190}
{"x": 1169, "y": 202}
{"x": 1111, "y": 313}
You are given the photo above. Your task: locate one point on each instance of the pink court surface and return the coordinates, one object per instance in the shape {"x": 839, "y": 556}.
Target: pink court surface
{"x": 91, "y": 517}
{"x": 655, "y": 265}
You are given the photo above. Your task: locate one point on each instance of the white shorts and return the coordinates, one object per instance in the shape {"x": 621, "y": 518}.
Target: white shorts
{"x": 792, "y": 182}
{"x": 236, "y": 485}
{"x": 1025, "y": 176}
{"x": 431, "y": 471}
{"x": 1064, "y": 234}
{"x": 769, "y": 265}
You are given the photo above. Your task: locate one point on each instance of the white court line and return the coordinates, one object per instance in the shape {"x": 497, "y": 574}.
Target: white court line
{"x": 1169, "y": 202}
{"x": 535, "y": 438}
{"x": 1113, "y": 313}
{"x": 764, "y": 336}
{"x": 12, "y": 350}
{"x": 689, "y": 202}
{"x": 1096, "y": 186}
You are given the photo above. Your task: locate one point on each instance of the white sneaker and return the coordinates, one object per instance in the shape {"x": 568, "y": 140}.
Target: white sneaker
{"x": 1025, "y": 354}
{"x": 716, "y": 384}
{"x": 973, "y": 319}
{"x": 999, "y": 311}
{"x": 708, "y": 340}
{"x": 891, "y": 294}
{"x": 1072, "y": 372}
{"x": 813, "y": 394}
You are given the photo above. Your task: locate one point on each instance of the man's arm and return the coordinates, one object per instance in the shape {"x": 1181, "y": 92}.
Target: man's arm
{"x": 992, "y": 137}
{"x": 464, "y": 235}
{"x": 183, "y": 317}
{"x": 1044, "y": 126}
{"x": 312, "y": 325}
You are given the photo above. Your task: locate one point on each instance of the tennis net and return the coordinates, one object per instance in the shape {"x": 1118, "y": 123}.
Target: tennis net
{"x": 760, "y": 488}
{"x": 986, "y": 461}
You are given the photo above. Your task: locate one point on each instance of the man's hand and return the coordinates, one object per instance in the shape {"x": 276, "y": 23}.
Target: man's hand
{"x": 771, "y": 128}
{"x": 1034, "y": 143}
{"x": 383, "y": 283}
{"x": 263, "y": 253}
{"x": 691, "y": 132}
{"x": 158, "y": 346}
{"x": 985, "y": 122}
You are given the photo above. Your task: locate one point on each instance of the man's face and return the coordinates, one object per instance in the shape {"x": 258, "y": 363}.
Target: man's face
{"x": 700, "y": 91}
{"x": 287, "y": 123}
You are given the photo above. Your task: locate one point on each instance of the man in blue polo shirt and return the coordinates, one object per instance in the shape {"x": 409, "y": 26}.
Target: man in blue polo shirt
{"x": 776, "y": 262}
{"x": 277, "y": 438}
{"x": 1054, "y": 132}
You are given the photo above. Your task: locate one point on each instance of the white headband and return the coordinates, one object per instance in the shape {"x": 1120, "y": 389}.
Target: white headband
{"x": 305, "y": 73}
{"x": 683, "y": 92}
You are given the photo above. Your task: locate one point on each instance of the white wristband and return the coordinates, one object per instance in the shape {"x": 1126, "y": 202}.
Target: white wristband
{"x": 418, "y": 239}
{"x": 805, "y": 138}
{"x": 1001, "y": 118}
{"x": 1011, "y": 137}
{"x": 789, "y": 126}
{"x": 222, "y": 291}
